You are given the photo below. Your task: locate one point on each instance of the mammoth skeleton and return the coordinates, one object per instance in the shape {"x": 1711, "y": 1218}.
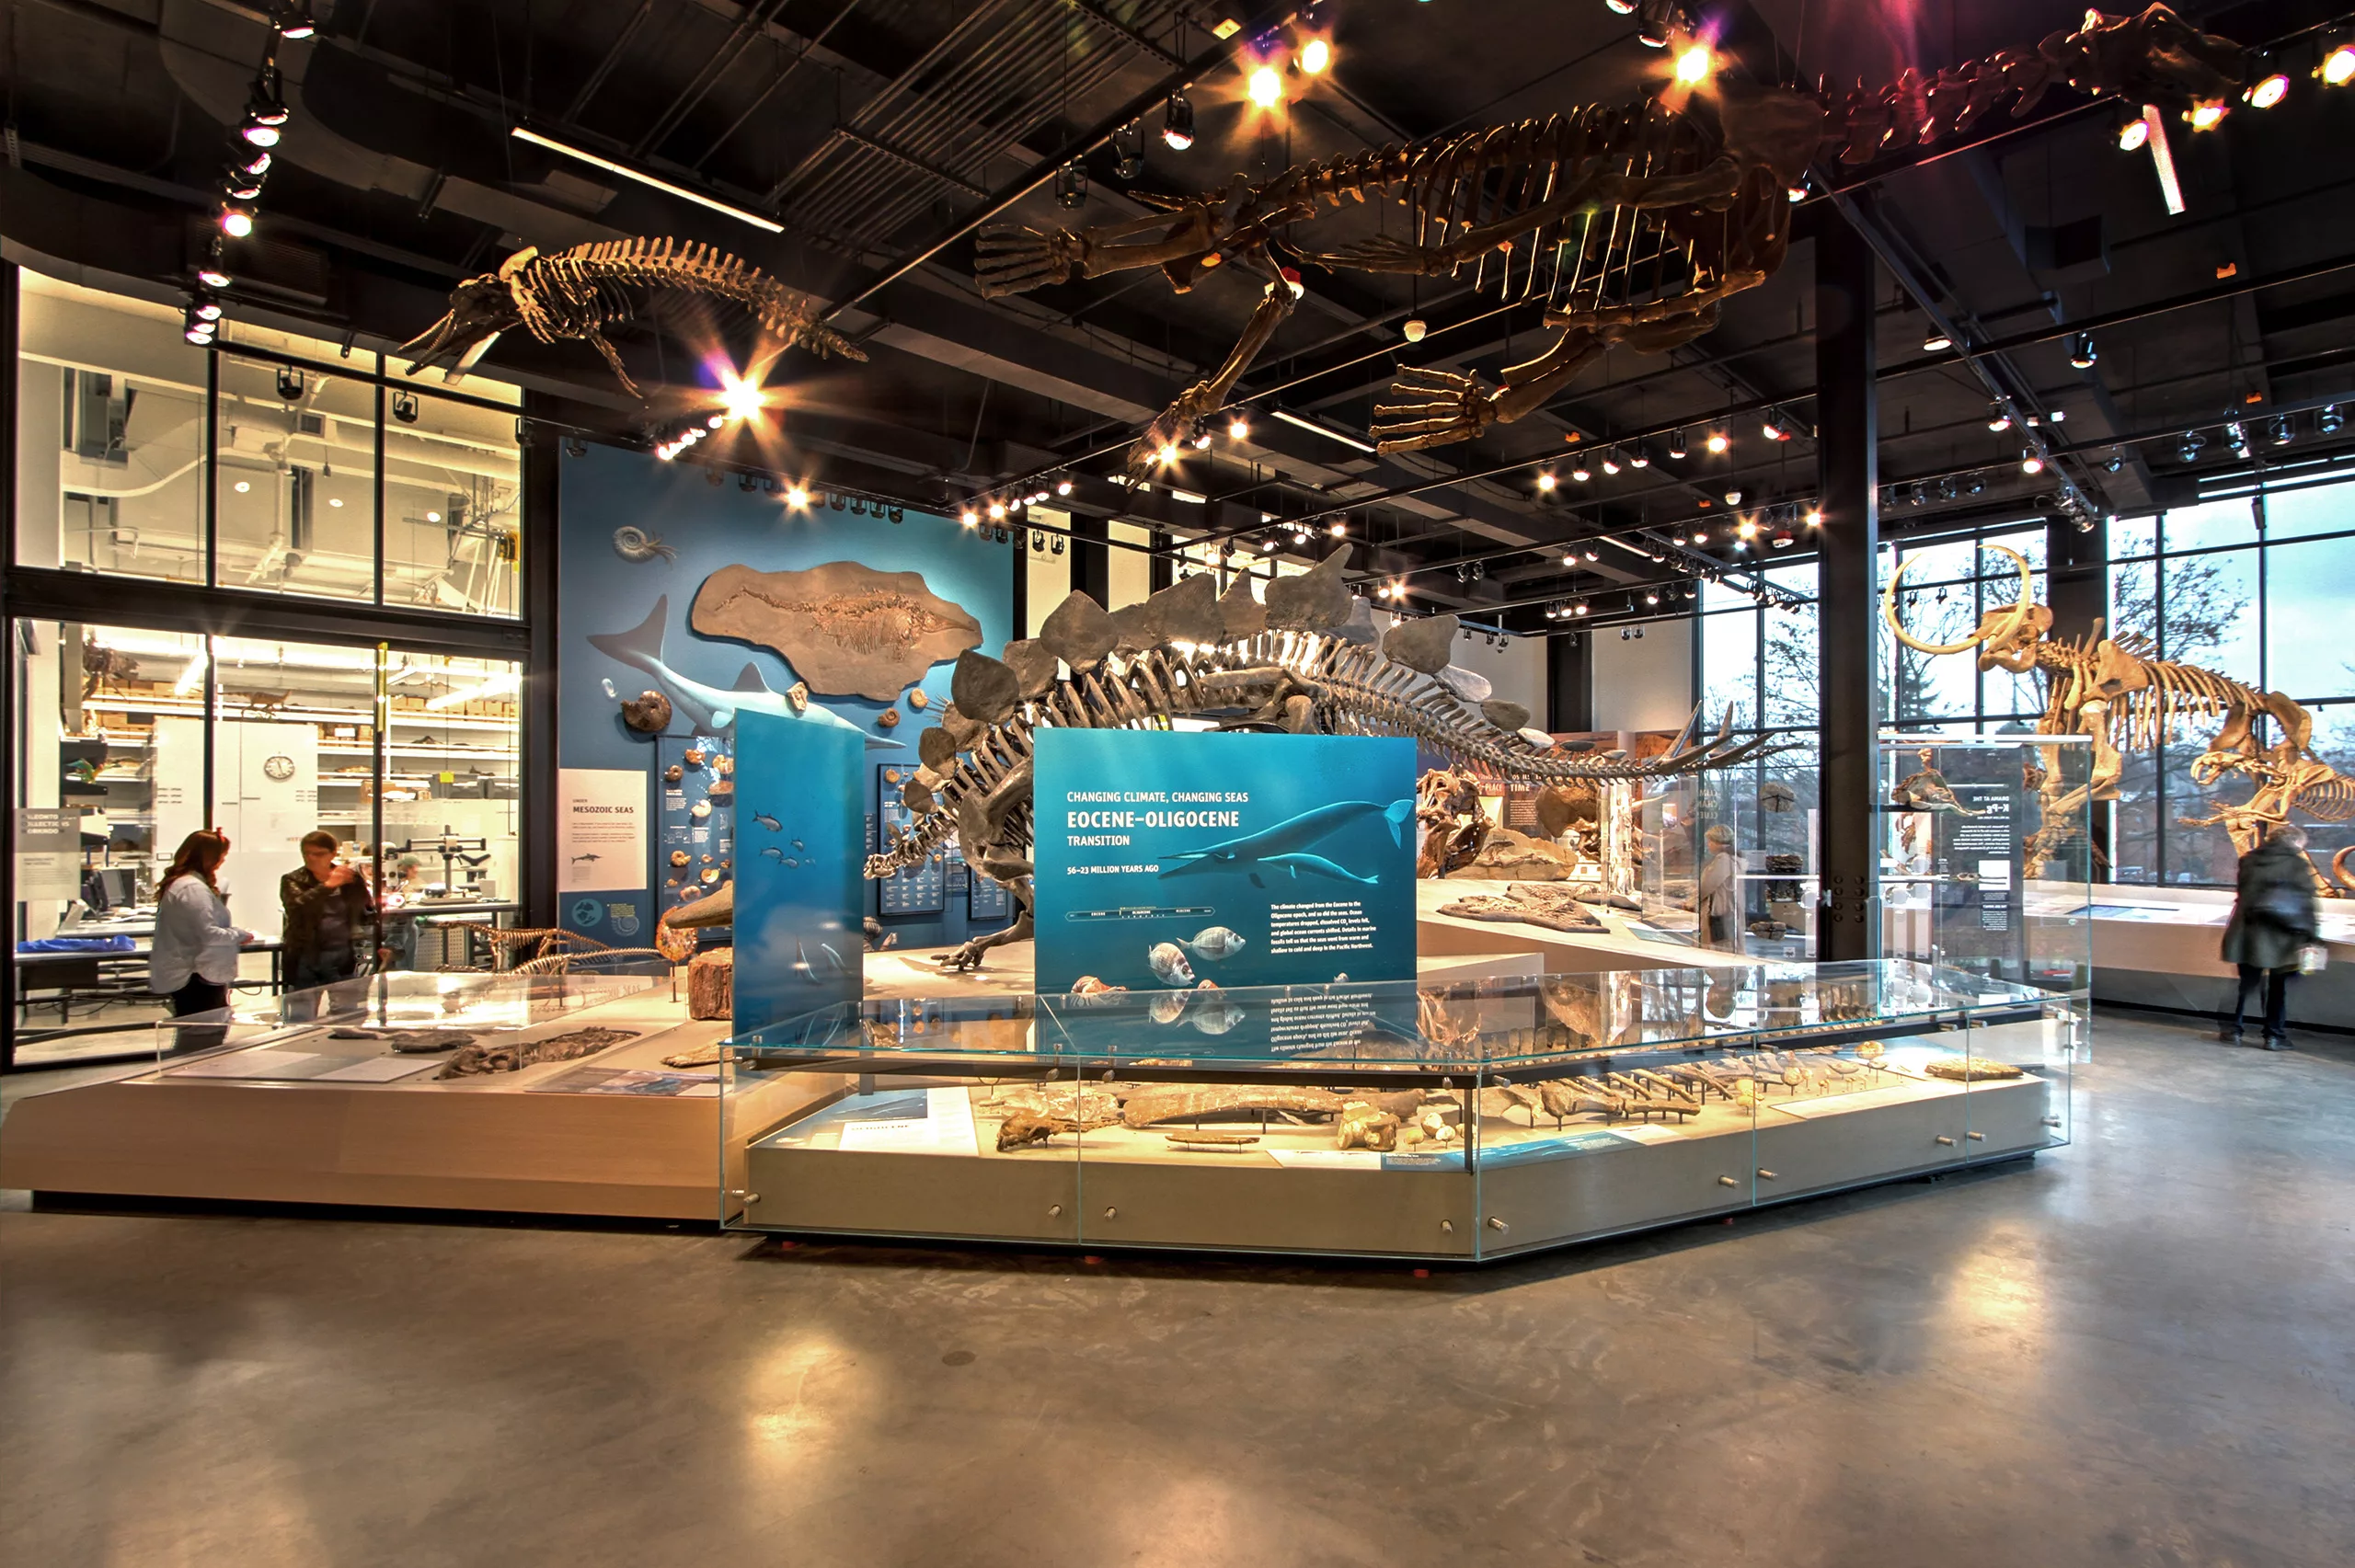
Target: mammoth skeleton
{"x": 2116, "y": 696}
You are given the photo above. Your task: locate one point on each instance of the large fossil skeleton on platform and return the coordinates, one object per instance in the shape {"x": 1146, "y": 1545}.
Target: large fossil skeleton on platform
{"x": 1635, "y": 222}
{"x": 577, "y": 293}
{"x": 2109, "y": 691}
{"x": 1305, "y": 661}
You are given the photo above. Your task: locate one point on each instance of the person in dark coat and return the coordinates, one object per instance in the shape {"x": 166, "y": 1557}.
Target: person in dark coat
{"x": 2273, "y": 917}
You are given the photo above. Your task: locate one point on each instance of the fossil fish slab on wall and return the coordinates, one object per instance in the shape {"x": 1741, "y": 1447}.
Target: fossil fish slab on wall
{"x": 848, "y": 630}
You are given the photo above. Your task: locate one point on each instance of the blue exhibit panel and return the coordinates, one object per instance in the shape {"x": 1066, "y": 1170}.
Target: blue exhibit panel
{"x": 800, "y": 842}
{"x": 1169, "y": 859}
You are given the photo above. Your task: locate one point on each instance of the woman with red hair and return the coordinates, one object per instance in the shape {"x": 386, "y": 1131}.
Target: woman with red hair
{"x": 195, "y": 955}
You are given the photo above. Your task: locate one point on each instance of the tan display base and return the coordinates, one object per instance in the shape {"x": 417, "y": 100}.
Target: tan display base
{"x": 487, "y": 1143}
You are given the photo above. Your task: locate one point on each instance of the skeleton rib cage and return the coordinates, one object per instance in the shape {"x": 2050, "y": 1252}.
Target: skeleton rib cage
{"x": 1353, "y": 689}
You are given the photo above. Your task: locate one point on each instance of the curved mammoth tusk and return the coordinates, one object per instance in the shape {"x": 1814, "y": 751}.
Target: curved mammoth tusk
{"x": 2002, "y": 632}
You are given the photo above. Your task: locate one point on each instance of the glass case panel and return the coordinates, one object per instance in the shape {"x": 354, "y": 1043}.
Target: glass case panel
{"x": 295, "y": 477}
{"x": 454, "y": 483}
{"x": 1458, "y": 1119}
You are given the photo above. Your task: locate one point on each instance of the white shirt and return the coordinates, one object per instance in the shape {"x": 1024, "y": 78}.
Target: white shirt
{"x": 194, "y": 936}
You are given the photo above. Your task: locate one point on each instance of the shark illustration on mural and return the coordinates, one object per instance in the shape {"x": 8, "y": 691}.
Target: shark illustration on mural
{"x": 711, "y": 709}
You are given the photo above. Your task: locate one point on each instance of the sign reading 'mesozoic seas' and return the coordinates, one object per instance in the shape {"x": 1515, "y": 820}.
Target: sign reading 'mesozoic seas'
{"x": 1169, "y": 859}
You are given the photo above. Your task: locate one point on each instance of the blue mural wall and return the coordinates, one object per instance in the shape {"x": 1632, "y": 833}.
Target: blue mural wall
{"x": 634, "y": 601}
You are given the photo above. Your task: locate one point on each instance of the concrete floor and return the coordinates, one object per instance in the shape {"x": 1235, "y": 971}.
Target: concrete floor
{"x": 2137, "y": 1350}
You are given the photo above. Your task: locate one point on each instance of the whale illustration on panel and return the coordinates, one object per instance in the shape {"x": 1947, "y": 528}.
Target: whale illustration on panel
{"x": 1298, "y": 865}
{"x": 708, "y": 708}
{"x": 1291, "y": 837}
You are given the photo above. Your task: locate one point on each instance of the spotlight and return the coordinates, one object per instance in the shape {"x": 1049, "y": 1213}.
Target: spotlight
{"x": 1579, "y": 608}
{"x": 2030, "y": 462}
{"x": 2058, "y": 416}
{"x": 1128, "y": 150}
{"x": 1314, "y": 55}
{"x": 1063, "y": 487}
{"x": 212, "y": 277}
{"x": 2133, "y": 134}
{"x": 1070, "y": 185}
{"x": 1177, "y": 123}
{"x": 1239, "y": 429}
{"x": 1651, "y": 598}
{"x": 236, "y": 220}
{"x": 1169, "y": 453}
{"x": 1621, "y": 7}
{"x": 1676, "y": 447}
{"x": 1975, "y": 486}
{"x": 2338, "y": 65}
{"x": 796, "y": 497}
{"x": 1581, "y": 472}
{"x": 713, "y": 421}
{"x": 1611, "y": 463}
{"x": 2267, "y": 91}
{"x": 1783, "y": 538}
{"x": 1054, "y": 545}
{"x": 2206, "y": 116}
{"x": 1547, "y": 482}
{"x": 1657, "y": 21}
{"x": 2279, "y": 429}
{"x": 1814, "y": 519}
{"x": 1694, "y": 64}
{"x": 1733, "y": 497}
{"x": 2236, "y": 438}
{"x": 1638, "y": 458}
{"x": 266, "y": 106}
{"x": 1037, "y": 543}
{"x": 1266, "y": 87}
{"x": 205, "y": 310}
{"x": 1717, "y": 442}
{"x": 2081, "y": 351}
{"x": 740, "y": 400}
{"x": 2187, "y": 448}
{"x": 1772, "y": 427}
{"x": 1999, "y": 419}
{"x": 1936, "y": 342}
{"x": 198, "y": 332}
{"x": 969, "y": 517}
{"x": 997, "y": 511}
{"x": 1747, "y": 528}
{"x": 1592, "y": 554}
{"x": 239, "y": 186}
{"x": 1338, "y": 530}
{"x": 747, "y": 483}
{"x": 294, "y": 20}
{"x": 2329, "y": 419}
{"x": 1700, "y": 536}
{"x": 2112, "y": 463}
{"x": 1413, "y": 328}
{"x": 290, "y": 384}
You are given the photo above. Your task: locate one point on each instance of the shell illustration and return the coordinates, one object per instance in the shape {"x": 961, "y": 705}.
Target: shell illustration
{"x": 1215, "y": 943}
{"x": 632, "y": 542}
{"x": 888, "y": 718}
{"x": 1168, "y": 961}
{"x": 919, "y": 698}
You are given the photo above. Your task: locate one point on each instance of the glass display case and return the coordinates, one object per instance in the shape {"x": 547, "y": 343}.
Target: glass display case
{"x": 1987, "y": 859}
{"x": 1462, "y": 1120}
{"x": 403, "y": 1029}
{"x": 1726, "y": 860}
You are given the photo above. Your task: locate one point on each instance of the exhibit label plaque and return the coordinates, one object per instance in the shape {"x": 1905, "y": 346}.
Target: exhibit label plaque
{"x": 603, "y": 846}
{"x": 1166, "y": 860}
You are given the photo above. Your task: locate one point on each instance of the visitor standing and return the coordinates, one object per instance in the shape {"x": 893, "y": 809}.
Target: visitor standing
{"x": 194, "y": 957}
{"x": 1718, "y": 899}
{"x": 2274, "y": 919}
{"x": 329, "y": 921}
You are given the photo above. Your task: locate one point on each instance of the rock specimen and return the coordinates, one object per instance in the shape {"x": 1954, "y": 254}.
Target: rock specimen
{"x": 1549, "y": 905}
{"x": 846, "y": 629}
{"x": 409, "y": 1042}
{"x": 1970, "y": 1070}
{"x": 711, "y": 983}
{"x": 1510, "y": 854}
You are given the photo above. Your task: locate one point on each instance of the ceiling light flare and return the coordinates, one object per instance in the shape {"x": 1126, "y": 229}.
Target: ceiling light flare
{"x": 1694, "y": 64}
{"x": 1547, "y": 482}
{"x": 2338, "y": 65}
{"x": 1238, "y": 430}
{"x": 2133, "y": 134}
{"x": 2267, "y": 91}
{"x": 1177, "y": 123}
{"x": 1717, "y": 442}
{"x": 1936, "y": 342}
{"x": 742, "y": 399}
{"x": 1315, "y": 56}
{"x": 2206, "y": 116}
{"x": 1266, "y": 87}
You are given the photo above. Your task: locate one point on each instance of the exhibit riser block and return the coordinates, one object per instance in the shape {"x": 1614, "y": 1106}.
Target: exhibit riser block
{"x": 1559, "y": 951}
{"x": 2170, "y": 960}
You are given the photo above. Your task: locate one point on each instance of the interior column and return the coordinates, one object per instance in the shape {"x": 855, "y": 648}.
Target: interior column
{"x": 1847, "y": 433}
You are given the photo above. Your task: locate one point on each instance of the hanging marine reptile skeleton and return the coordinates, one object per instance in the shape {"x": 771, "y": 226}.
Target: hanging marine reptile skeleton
{"x": 1637, "y": 221}
{"x": 577, "y": 293}
{"x": 2113, "y": 693}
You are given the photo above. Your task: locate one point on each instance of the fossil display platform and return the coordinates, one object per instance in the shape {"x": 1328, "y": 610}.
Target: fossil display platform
{"x": 508, "y": 1092}
{"x": 1462, "y": 1118}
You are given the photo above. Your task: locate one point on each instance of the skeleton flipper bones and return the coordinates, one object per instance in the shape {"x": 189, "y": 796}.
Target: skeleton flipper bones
{"x": 1291, "y": 664}
{"x": 577, "y": 293}
{"x": 1636, "y": 222}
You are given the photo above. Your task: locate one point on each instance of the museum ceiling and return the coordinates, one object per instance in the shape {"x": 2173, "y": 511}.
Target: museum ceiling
{"x": 865, "y": 141}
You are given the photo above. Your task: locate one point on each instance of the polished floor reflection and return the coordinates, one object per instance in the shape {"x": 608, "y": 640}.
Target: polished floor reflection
{"x": 2134, "y": 1351}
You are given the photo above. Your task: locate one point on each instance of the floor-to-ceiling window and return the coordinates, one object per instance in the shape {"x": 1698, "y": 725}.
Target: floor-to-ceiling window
{"x": 2256, "y": 584}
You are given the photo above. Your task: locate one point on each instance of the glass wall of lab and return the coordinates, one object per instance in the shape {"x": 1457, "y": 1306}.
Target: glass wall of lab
{"x": 268, "y": 460}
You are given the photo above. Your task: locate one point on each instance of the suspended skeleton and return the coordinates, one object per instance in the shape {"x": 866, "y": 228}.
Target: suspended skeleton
{"x": 1634, "y": 223}
{"x": 577, "y": 293}
{"x": 2122, "y": 700}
